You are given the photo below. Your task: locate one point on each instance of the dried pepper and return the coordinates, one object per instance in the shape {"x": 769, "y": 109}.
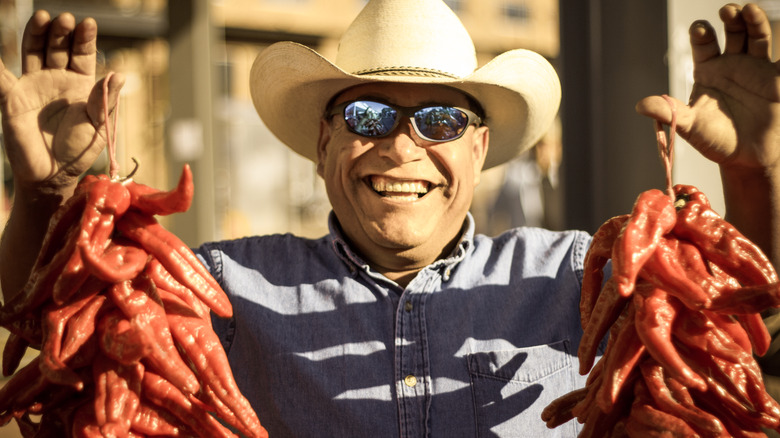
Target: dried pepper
{"x": 683, "y": 314}
{"x": 120, "y": 310}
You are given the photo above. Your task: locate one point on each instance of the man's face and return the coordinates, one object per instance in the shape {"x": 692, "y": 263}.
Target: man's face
{"x": 400, "y": 195}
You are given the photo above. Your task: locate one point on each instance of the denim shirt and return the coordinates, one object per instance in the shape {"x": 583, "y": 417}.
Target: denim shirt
{"x": 476, "y": 345}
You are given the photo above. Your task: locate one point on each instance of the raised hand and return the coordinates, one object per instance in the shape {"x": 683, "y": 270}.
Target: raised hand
{"x": 733, "y": 115}
{"x": 53, "y": 114}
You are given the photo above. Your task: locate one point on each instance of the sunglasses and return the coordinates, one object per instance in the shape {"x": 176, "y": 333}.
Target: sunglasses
{"x": 435, "y": 123}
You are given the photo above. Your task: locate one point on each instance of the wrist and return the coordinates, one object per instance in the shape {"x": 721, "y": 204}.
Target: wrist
{"x": 752, "y": 197}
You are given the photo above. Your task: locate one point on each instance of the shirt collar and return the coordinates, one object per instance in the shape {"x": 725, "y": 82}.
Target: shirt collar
{"x": 447, "y": 264}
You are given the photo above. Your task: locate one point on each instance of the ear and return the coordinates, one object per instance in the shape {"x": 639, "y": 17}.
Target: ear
{"x": 322, "y": 143}
{"x": 479, "y": 151}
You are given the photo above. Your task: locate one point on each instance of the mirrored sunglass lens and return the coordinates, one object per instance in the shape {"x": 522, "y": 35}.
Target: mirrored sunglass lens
{"x": 441, "y": 122}
{"x": 371, "y": 119}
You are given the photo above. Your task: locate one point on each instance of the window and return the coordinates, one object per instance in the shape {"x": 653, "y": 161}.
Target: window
{"x": 516, "y": 12}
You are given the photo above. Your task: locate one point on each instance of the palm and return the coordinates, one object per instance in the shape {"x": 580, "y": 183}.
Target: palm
{"x": 734, "y": 112}
{"x": 733, "y": 115}
{"x": 53, "y": 112}
{"x": 48, "y": 130}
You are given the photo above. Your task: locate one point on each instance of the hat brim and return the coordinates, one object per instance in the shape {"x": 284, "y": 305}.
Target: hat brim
{"x": 518, "y": 90}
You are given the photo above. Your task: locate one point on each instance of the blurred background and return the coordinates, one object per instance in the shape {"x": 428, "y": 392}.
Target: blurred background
{"x": 186, "y": 100}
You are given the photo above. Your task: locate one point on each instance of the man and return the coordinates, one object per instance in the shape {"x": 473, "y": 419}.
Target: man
{"x": 400, "y": 321}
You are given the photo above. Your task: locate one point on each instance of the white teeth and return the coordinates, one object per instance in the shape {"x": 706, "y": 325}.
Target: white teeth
{"x": 383, "y": 185}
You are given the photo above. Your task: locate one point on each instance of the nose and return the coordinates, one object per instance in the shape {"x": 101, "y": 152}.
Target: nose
{"x": 402, "y": 145}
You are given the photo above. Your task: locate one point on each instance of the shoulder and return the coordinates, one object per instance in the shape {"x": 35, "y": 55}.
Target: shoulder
{"x": 270, "y": 254}
{"x": 535, "y": 247}
{"x": 273, "y": 246}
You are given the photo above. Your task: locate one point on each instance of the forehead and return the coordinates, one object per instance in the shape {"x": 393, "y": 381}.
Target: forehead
{"x": 405, "y": 94}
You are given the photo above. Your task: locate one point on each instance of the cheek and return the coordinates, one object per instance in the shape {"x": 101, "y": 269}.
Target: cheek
{"x": 342, "y": 159}
{"x": 455, "y": 163}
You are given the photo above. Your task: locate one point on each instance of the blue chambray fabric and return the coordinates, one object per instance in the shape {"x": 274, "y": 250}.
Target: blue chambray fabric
{"x": 476, "y": 345}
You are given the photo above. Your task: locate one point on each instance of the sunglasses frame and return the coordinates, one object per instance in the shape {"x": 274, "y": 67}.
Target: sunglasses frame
{"x": 406, "y": 112}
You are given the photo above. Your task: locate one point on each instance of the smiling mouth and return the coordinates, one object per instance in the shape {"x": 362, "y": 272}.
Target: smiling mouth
{"x": 399, "y": 190}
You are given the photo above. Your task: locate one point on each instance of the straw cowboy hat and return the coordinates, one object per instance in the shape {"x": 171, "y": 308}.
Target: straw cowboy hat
{"x": 408, "y": 41}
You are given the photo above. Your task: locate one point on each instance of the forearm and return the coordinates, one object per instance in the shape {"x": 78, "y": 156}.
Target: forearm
{"x": 23, "y": 235}
{"x": 753, "y": 206}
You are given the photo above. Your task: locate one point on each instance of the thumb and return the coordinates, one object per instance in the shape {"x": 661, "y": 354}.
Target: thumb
{"x": 662, "y": 109}
{"x": 96, "y": 103}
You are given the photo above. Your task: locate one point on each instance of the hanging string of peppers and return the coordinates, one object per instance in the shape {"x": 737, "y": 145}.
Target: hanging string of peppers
{"x": 682, "y": 309}
{"x": 119, "y": 308}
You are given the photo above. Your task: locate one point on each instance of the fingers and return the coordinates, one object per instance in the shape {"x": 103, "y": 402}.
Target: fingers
{"x": 84, "y": 52}
{"x": 34, "y": 42}
{"x": 704, "y": 41}
{"x": 747, "y": 30}
{"x": 759, "y": 31}
{"x": 59, "y": 43}
{"x": 59, "y": 38}
{"x": 735, "y": 27}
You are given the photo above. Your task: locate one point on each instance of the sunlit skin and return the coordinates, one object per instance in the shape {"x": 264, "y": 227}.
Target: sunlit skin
{"x": 399, "y": 233}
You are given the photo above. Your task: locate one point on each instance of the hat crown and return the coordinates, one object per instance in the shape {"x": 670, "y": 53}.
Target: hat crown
{"x": 407, "y": 38}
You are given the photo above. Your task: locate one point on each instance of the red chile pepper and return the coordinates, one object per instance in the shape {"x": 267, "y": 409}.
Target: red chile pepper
{"x": 623, "y": 353}
{"x": 84, "y": 423}
{"x": 599, "y": 424}
{"x": 81, "y": 327}
{"x": 736, "y": 424}
{"x": 148, "y": 316}
{"x": 38, "y": 287}
{"x": 55, "y": 319}
{"x": 165, "y": 281}
{"x": 653, "y": 216}
{"x": 117, "y": 395}
{"x": 161, "y": 392}
{"x": 655, "y": 314}
{"x": 71, "y": 278}
{"x": 177, "y": 258}
{"x": 122, "y": 260}
{"x": 155, "y": 202}
{"x": 647, "y": 421}
{"x": 204, "y": 351}
{"x": 705, "y": 424}
{"x": 62, "y": 221}
{"x": 757, "y": 331}
{"x": 595, "y": 379}
{"x": 727, "y": 384}
{"x": 13, "y": 352}
{"x": 106, "y": 202}
{"x": 609, "y": 306}
{"x": 29, "y": 329}
{"x": 560, "y": 410}
{"x": 158, "y": 422}
{"x": 748, "y": 299}
{"x": 666, "y": 270}
{"x": 722, "y": 243}
{"x": 28, "y": 376}
{"x": 730, "y": 325}
{"x": 121, "y": 340}
{"x": 598, "y": 254}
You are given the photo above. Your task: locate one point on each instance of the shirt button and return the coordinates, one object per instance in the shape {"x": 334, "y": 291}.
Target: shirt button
{"x": 408, "y": 306}
{"x": 410, "y": 380}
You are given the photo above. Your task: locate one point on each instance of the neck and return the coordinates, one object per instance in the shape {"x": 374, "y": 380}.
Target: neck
{"x": 402, "y": 265}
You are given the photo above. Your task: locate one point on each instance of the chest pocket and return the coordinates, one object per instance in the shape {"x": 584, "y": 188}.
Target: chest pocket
{"x": 511, "y": 388}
